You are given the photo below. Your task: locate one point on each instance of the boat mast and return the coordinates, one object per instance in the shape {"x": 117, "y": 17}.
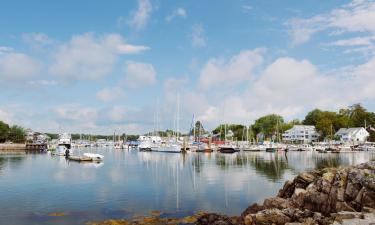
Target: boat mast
{"x": 178, "y": 117}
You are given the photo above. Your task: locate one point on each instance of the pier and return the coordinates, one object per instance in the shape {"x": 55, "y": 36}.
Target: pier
{"x": 36, "y": 147}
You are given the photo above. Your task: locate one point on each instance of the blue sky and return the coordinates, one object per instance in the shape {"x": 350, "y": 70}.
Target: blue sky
{"x": 104, "y": 66}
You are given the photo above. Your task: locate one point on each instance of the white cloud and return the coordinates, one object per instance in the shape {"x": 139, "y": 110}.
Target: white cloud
{"x": 38, "y": 83}
{"x": 141, "y": 16}
{"x": 139, "y": 74}
{"x": 117, "y": 113}
{"x": 6, "y": 116}
{"x": 357, "y": 41}
{"x": 89, "y": 57}
{"x": 15, "y": 65}
{"x": 220, "y": 73}
{"x": 286, "y": 86}
{"x": 4, "y": 49}
{"x": 198, "y": 38}
{"x": 179, "y": 12}
{"x": 76, "y": 113}
{"x": 301, "y": 30}
{"x": 110, "y": 94}
{"x": 358, "y": 16}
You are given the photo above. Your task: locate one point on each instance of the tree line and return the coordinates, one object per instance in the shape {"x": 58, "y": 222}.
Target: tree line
{"x": 327, "y": 123}
{"x": 14, "y": 134}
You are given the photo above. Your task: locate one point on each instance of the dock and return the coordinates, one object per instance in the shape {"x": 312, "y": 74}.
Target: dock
{"x": 36, "y": 147}
{"x": 80, "y": 158}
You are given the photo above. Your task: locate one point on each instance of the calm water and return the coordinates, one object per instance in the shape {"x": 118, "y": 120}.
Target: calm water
{"x": 131, "y": 183}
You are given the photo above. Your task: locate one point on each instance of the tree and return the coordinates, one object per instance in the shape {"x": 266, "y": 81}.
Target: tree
{"x": 4, "y": 131}
{"x": 239, "y": 131}
{"x": 17, "y": 134}
{"x": 358, "y": 115}
{"x": 312, "y": 117}
{"x": 290, "y": 124}
{"x": 268, "y": 125}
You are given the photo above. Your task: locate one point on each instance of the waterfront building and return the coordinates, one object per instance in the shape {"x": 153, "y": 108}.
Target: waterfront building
{"x": 301, "y": 134}
{"x": 354, "y": 134}
{"x": 29, "y": 135}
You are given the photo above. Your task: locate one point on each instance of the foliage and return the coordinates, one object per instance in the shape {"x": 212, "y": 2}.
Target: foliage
{"x": 17, "y": 134}
{"x": 4, "y": 131}
{"x": 269, "y": 125}
{"x": 197, "y": 130}
{"x": 52, "y": 136}
{"x": 238, "y": 131}
{"x": 328, "y": 123}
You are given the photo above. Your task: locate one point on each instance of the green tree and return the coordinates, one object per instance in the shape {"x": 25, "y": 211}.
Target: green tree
{"x": 312, "y": 117}
{"x": 239, "y": 131}
{"x": 290, "y": 124}
{"x": 4, "y": 131}
{"x": 17, "y": 134}
{"x": 268, "y": 125}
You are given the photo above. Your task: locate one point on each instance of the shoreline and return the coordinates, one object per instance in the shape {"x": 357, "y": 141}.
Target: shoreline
{"x": 12, "y": 147}
{"x": 343, "y": 195}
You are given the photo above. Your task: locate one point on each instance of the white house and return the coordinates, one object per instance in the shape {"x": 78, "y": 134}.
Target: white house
{"x": 301, "y": 134}
{"x": 355, "y": 134}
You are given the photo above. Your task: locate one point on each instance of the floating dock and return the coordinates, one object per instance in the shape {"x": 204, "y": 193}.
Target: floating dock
{"x": 80, "y": 158}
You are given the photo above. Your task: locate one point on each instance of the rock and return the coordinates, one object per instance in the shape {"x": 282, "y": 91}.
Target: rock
{"x": 351, "y": 191}
{"x": 271, "y": 216}
{"x": 368, "y": 199}
{"x": 277, "y": 202}
{"x": 343, "y": 206}
{"x": 248, "y": 220}
{"x": 213, "y": 219}
{"x": 307, "y": 177}
{"x": 287, "y": 190}
{"x": 316, "y": 197}
{"x": 254, "y": 208}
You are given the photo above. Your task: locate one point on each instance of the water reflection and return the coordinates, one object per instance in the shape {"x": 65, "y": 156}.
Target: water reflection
{"x": 273, "y": 167}
{"x": 10, "y": 160}
{"x": 330, "y": 161}
{"x": 139, "y": 182}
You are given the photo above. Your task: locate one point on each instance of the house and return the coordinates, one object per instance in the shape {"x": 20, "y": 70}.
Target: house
{"x": 29, "y": 135}
{"x": 354, "y": 134}
{"x": 301, "y": 134}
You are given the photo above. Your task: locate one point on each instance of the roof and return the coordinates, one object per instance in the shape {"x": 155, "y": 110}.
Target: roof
{"x": 302, "y": 127}
{"x": 352, "y": 130}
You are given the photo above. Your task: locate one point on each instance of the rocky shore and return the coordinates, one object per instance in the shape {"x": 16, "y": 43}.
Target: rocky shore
{"x": 344, "y": 195}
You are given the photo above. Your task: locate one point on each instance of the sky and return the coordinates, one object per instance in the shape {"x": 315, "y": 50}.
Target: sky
{"x": 100, "y": 67}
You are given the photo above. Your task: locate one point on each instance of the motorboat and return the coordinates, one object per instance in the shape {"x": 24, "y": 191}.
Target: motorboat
{"x": 228, "y": 148}
{"x": 64, "y": 145}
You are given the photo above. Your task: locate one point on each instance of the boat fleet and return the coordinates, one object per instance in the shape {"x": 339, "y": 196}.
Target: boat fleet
{"x": 67, "y": 148}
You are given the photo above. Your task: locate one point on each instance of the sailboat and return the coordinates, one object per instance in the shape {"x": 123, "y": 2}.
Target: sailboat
{"x": 227, "y": 147}
{"x": 173, "y": 145}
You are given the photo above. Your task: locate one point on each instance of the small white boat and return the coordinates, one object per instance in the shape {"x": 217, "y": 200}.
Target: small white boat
{"x": 93, "y": 156}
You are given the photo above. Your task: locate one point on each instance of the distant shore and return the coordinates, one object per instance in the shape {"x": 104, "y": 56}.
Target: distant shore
{"x": 12, "y": 147}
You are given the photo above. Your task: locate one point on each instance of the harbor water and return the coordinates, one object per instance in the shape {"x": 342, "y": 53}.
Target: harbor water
{"x": 47, "y": 189}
